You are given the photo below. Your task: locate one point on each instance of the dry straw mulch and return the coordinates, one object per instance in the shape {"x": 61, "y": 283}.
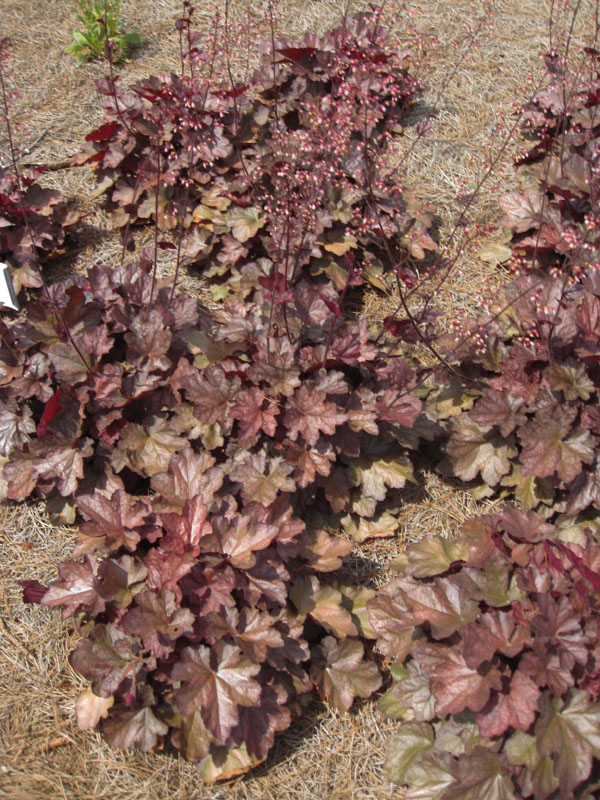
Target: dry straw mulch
{"x": 327, "y": 754}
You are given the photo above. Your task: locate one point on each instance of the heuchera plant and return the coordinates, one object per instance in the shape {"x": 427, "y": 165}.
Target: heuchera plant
{"x": 495, "y": 633}
{"x": 532, "y": 428}
{"x": 287, "y": 170}
{"x": 555, "y": 219}
{"x": 530, "y": 419}
{"x": 495, "y": 637}
{"x": 202, "y": 456}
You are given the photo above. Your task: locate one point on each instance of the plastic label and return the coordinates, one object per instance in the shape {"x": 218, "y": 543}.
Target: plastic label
{"x": 8, "y": 297}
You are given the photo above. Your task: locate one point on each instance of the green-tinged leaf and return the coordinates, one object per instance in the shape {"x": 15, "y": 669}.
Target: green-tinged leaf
{"x": 355, "y": 599}
{"x": 148, "y": 449}
{"x": 406, "y": 747}
{"x": 337, "y": 274}
{"x": 245, "y": 222}
{"x": 68, "y": 364}
{"x": 495, "y": 252}
{"x": 429, "y": 776}
{"x": 192, "y": 736}
{"x": 341, "y": 673}
{"x": 76, "y": 50}
{"x": 459, "y": 735}
{"x": 382, "y": 526}
{"x": 82, "y": 39}
{"x": 226, "y": 762}
{"x": 530, "y": 490}
{"x": 474, "y": 450}
{"x": 568, "y": 731}
{"x": 496, "y": 584}
{"x": 263, "y": 479}
{"x": 325, "y": 552}
{"x": 213, "y": 351}
{"x": 374, "y": 274}
{"x": 451, "y": 400}
{"x": 521, "y": 750}
{"x": 337, "y": 242}
{"x": 324, "y": 604}
{"x": 132, "y": 39}
{"x": 410, "y": 697}
{"x": 434, "y": 555}
{"x": 374, "y": 477}
{"x": 571, "y": 379}
{"x": 481, "y": 776}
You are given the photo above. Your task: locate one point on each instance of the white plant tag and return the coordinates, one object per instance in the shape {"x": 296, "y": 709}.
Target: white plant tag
{"x": 8, "y": 297}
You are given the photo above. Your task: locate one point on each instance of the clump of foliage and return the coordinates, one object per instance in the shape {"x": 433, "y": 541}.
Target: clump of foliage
{"x": 529, "y": 422}
{"x": 495, "y": 634}
{"x": 103, "y": 27}
{"x": 286, "y": 170}
{"x": 555, "y": 219}
{"x": 203, "y": 457}
{"x": 533, "y": 425}
{"x": 32, "y": 226}
{"x": 496, "y": 647}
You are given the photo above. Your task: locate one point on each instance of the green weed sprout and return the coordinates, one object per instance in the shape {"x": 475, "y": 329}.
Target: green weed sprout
{"x": 103, "y": 23}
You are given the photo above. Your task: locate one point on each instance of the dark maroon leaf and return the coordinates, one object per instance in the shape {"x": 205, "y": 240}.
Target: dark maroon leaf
{"x": 51, "y": 409}
{"x": 296, "y": 53}
{"x": 102, "y": 133}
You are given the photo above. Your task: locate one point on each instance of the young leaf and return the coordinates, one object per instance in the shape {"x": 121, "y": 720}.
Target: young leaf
{"x": 410, "y": 696}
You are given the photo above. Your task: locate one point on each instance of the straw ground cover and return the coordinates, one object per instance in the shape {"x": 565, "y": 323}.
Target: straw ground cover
{"x": 338, "y": 755}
